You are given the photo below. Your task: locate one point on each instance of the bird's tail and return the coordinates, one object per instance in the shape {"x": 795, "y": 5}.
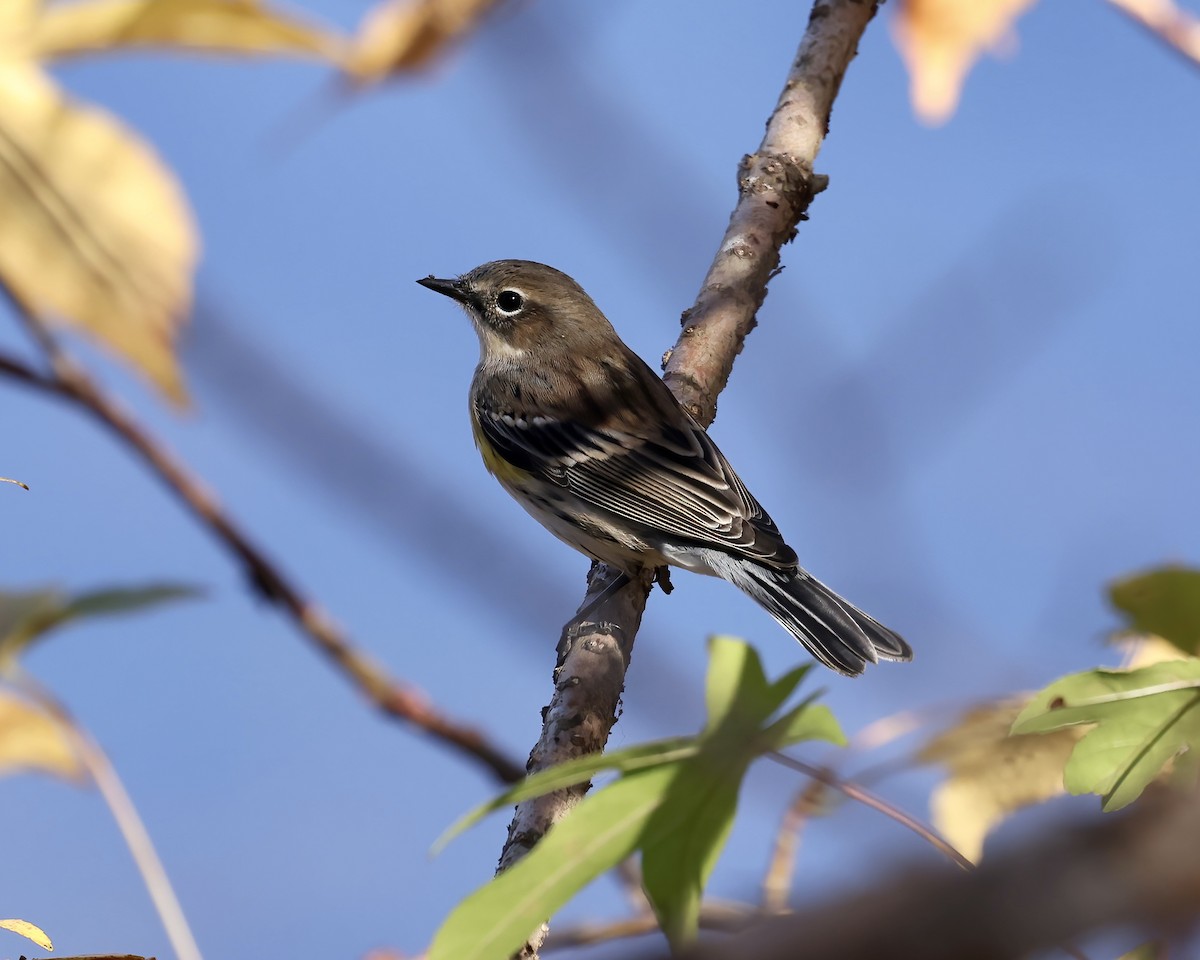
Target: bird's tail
{"x": 835, "y": 631}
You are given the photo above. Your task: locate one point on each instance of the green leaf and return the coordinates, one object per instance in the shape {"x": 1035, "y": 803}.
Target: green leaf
{"x": 27, "y": 616}
{"x": 601, "y": 831}
{"x": 675, "y": 801}
{"x": 735, "y": 679}
{"x": 1164, "y": 602}
{"x": 685, "y": 837}
{"x": 1147, "y": 951}
{"x": 564, "y": 775}
{"x": 808, "y": 721}
{"x": 1144, "y": 719}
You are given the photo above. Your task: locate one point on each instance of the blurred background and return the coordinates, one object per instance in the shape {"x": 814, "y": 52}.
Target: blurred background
{"x": 969, "y": 404}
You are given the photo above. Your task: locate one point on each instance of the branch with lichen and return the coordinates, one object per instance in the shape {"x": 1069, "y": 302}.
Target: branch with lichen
{"x": 776, "y": 183}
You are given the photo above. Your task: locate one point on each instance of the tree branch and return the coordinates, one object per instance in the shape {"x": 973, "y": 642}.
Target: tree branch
{"x": 397, "y": 700}
{"x": 1175, "y": 27}
{"x": 1135, "y": 869}
{"x": 775, "y": 186}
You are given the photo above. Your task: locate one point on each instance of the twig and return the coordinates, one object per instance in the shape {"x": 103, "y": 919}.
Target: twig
{"x": 628, "y": 873}
{"x": 864, "y": 796}
{"x": 1176, "y": 28}
{"x": 397, "y": 700}
{"x": 777, "y": 882}
{"x": 128, "y": 821}
{"x": 714, "y": 915}
{"x": 776, "y": 185}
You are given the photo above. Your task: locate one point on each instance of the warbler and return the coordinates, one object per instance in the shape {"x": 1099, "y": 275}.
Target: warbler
{"x": 583, "y": 434}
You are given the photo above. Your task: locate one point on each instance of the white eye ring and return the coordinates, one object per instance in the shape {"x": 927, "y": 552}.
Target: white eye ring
{"x": 510, "y": 302}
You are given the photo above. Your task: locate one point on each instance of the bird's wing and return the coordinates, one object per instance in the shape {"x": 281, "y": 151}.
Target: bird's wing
{"x": 677, "y": 482}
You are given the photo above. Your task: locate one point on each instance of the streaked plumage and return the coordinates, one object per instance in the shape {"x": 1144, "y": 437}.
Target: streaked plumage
{"x": 594, "y": 445}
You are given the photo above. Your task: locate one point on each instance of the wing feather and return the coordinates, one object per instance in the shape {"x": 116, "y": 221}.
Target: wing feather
{"x": 678, "y": 484}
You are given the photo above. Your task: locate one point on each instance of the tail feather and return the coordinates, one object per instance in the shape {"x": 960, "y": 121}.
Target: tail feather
{"x": 837, "y": 633}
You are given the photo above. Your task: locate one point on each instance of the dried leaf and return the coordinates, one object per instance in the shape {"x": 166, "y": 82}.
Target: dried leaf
{"x": 31, "y": 739}
{"x": 1145, "y": 649}
{"x": 939, "y": 40}
{"x": 23, "y": 486}
{"x": 29, "y": 931}
{"x": 97, "y": 232}
{"x": 399, "y": 35}
{"x": 243, "y": 27}
{"x": 992, "y": 773}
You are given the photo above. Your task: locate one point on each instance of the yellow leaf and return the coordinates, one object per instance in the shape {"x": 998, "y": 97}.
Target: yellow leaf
{"x": 991, "y": 773}
{"x": 939, "y": 40}
{"x": 1146, "y": 649}
{"x": 220, "y": 26}
{"x": 398, "y": 35}
{"x": 97, "y": 232}
{"x": 16, "y": 23}
{"x": 29, "y": 932}
{"x": 31, "y": 739}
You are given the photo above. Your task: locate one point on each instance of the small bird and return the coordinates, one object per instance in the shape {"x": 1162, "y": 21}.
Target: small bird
{"x": 580, "y": 431}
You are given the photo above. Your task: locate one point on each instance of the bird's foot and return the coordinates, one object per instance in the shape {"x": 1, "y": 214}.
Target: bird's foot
{"x": 662, "y": 576}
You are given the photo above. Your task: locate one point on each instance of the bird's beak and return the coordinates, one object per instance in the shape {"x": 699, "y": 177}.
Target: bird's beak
{"x": 454, "y": 289}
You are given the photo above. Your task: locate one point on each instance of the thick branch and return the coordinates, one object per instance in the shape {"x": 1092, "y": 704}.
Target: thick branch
{"x": 1129, "y": 870}
{"x": 395, "y": 699}
{"x": 776, "y": 185}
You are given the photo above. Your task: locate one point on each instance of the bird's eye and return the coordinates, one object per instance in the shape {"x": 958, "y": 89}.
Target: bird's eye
{"x": 510, "y": 301}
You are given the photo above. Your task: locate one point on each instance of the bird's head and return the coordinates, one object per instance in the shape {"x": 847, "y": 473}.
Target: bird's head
{"x": 519, "y": 306}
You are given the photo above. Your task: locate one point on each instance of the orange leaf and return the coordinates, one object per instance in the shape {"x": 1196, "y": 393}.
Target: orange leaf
{"x": 940, "y": 40}
{"x": 399, "y": 35}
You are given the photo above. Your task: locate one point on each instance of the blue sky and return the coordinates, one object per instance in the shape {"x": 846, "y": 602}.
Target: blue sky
{"x": 969, "y": 404}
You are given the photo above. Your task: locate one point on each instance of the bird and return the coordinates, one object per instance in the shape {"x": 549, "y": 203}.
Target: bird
{"x": 584, "y": 435}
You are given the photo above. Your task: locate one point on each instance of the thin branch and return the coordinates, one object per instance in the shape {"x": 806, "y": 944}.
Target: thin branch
{"x": 628, "y": 873}
{"x": 1176, "y": 28}
{"x": 777, "y": 882}
{"x": 776, "y": 185}
{"x": 395, "y": 699}
{"x": 714, "y": 915}
{"x": 128, "y": 820}
{"x": 865, "y": 796}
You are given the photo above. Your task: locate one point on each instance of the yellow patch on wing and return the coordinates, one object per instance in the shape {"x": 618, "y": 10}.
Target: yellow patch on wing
{"x": 497, "y": 466}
